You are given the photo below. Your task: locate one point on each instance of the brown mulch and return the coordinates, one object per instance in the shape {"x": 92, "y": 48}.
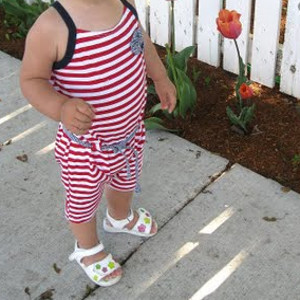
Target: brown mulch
{"x": 271, "y": 147}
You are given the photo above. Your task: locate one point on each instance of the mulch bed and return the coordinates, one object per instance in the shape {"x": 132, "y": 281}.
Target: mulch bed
{"x": 275, "y": 139}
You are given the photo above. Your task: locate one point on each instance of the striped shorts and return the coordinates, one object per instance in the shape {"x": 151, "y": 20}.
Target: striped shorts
{"x": 86, "y": 171}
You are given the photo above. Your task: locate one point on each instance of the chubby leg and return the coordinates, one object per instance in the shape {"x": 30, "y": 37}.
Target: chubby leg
{"x": 86, "y": 236}
{"x": 119, "y": 203}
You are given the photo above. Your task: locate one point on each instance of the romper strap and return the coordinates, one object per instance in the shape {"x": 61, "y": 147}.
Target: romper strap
{"x": 131, "y": 7}
{"x": 71, "y": 39}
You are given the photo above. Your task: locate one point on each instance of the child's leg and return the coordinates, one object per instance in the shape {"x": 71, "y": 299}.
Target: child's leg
{"x": 119, "y": 203}
{"x": 86, "y": 236}
{"x": 84, "y": 184}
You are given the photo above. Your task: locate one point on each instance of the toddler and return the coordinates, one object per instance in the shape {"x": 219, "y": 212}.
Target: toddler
{"x": 85, "y": 66}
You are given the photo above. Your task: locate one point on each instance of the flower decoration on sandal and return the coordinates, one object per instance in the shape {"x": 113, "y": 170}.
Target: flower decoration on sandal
{"x": 142, "y": 228}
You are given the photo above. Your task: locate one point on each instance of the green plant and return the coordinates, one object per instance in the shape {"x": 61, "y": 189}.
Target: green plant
{"x": 20, "y": 15}
{"x": 296, "y": 160}
{"x": 195, "y": 74}
{"x": 155, "y": 123}
{"x": 230, "y": 27}
{"x": 176, "y": 64}
{"x": 245, "y": 113}
{"x": 186, "y": 92}
{"x": 207, "y": 80}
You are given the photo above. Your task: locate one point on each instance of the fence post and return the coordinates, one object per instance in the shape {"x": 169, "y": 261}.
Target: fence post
{"x": 184, "y": 23}
{"x": 208, "y": 36}
{"x": 160, "y": 21}
{"x": 290, "y": 68}
{"x": 265, "y": 41}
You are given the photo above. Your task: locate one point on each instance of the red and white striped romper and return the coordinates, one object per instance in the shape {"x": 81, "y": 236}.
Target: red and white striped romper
{"x": 107, "y": 70}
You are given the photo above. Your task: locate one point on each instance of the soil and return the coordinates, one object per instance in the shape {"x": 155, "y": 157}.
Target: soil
{"x": 270, "y": 150}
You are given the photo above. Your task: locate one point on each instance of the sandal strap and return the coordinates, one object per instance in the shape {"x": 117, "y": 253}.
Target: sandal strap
{"x": 80, "y": 253}
{"x": 102, "y": 268}
{"x": 120, "y": 224}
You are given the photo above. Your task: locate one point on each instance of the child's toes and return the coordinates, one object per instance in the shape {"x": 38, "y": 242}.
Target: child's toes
{"x": 153, "y": 228}
{"x": 114, "y": 274}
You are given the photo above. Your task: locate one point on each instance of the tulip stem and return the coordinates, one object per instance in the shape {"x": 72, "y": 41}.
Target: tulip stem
{"x": 241, "y": 74}
{"x": 237, "y": 49}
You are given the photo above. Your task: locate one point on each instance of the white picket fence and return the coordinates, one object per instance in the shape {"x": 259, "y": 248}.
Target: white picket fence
{"x": 195, "y": 24}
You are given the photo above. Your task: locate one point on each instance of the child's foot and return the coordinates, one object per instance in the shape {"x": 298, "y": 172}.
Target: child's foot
{"x": 131, "y": 224}
{"x": 135, "y": 219}
{"x": 88, "y": 260}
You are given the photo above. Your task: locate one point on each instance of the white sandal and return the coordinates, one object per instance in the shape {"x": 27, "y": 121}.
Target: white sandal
{"x": 98, "y": 270}
{"x": 141, "y": 228}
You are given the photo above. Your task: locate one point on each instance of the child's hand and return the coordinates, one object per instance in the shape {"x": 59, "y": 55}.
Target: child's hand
{"x": 77, "y": 116}
{"x": 166, "y": 92}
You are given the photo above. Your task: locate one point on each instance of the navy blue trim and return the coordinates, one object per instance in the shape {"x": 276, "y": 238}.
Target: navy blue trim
{"x": 71, "y": 38}
{"x": 132, "y": 8}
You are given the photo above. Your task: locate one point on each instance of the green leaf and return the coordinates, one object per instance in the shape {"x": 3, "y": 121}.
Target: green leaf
{"x": 249, "y": 115}
{"x": 176, "y": 112}
{"x": 184, "y": 100}
{"x": 181, "y": 58}
{"x": 189, "y": 89}
{"x": 232, "y": 116}
{"x": 207, "y": 80}
{"x": 170, "y": 65}
{"x": 243, "y": 113}
{"x": 234, "y": 119}
{"x": 12, "y": 7}
{"x": 154, "y": 123}
{"x": 196, "y": 74}
{"x": 155, "y": 108}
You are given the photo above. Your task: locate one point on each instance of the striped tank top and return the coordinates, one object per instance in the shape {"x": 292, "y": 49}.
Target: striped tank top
{"x": 107, "y": 70}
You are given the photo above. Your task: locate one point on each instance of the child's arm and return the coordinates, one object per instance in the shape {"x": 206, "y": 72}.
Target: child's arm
{"x": 41, "y": 51}
{"x": 165, "y": 89}
{"x": 156, "y": 71}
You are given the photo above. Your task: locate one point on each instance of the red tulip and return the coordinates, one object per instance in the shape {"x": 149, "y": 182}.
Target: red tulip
{"x": 229, "y": 24}
{"x": 246, "y": 91}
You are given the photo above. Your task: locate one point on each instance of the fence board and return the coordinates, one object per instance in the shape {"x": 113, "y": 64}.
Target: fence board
{"x": 207, "y": 36}
{"x": 265, "y": 41}
{"x": 159, "y": 21}
{"x": 184, "y": 23}
{"x": 290, "y": 71}
{"x": 142, "y": 10}
{"x": 230, "y": 58}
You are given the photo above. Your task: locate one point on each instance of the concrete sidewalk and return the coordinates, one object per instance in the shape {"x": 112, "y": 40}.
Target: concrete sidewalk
{"x": 223, "y": 233}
